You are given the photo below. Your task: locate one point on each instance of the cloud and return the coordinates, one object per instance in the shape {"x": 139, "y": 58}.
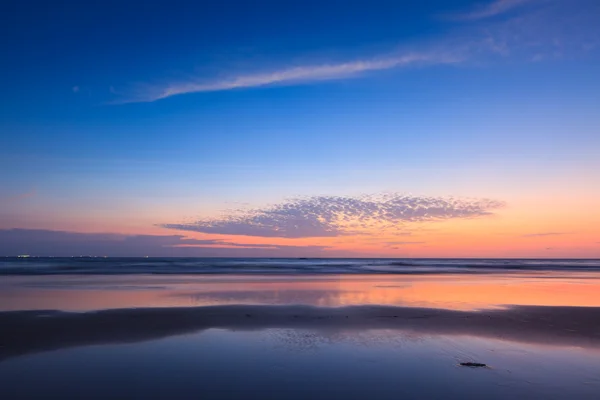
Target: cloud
{"x": 330, "y": 216}
{"x": 493, "y": 9}
{"x": 75, "y": 89}
{"x": 63, "y": 243}
{"x": 544, "y": 234}
{"x": 533, "y": 30}
{"x": 402, "y": 243}
{"x": 22, "y": 196}
{"x": 399, "y": 244}
{"x": 291, "y": 75}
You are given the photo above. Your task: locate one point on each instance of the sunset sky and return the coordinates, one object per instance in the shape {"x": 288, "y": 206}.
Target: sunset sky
{"x": 308, "y": 128}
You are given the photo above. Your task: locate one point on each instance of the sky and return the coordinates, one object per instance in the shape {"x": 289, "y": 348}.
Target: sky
{"x": 466, "y": 128}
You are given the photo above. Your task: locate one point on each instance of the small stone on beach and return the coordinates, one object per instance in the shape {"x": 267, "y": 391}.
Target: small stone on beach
{"x": 473, "y": 364}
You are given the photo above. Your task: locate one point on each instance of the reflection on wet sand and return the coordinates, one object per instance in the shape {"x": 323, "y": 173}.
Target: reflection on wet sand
{"x": 458, "y": 292}
{"x": 347, "y": 334}
{"x": 34, "y": 331}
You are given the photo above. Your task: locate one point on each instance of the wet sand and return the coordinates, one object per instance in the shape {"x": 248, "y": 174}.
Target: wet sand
{"x": 277, "y": 338}
{"x": 455, "y": 292}
{"x": 34, "y": 331}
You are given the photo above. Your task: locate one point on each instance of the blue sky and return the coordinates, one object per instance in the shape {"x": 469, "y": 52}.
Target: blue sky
{"x": 127, "y": 117}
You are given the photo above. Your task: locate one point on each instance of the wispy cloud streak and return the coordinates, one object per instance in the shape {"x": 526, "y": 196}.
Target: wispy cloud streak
{"x": 20, "y": 197}
{"x": 529, "y": 30}
{"x": 63, "y": 243}
{"x": 493, "y": 9}
{"x": 396, "y": 245}
{"x": 544, "y": 234}
{"x": 291, "y": 75}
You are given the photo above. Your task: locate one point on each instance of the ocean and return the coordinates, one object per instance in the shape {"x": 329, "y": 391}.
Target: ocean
{"x": 269, "y": 266}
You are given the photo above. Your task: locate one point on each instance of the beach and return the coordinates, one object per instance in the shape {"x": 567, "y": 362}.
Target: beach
{"x": 297, "y": 200}
{"x": 502, "y": 335}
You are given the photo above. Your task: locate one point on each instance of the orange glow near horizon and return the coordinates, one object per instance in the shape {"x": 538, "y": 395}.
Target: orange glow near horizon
{"x": 563, "y": 226}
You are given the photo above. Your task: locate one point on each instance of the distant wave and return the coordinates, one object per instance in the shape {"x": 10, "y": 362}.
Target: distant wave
{"x": 268, "y": 266}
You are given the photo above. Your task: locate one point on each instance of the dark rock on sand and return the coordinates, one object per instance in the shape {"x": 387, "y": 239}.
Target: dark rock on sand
{"x": 473, "y": 364}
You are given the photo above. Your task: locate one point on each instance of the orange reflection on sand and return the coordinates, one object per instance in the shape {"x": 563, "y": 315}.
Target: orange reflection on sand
{"x": 467, "y": 293}
{"x": 460, "y": 292}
